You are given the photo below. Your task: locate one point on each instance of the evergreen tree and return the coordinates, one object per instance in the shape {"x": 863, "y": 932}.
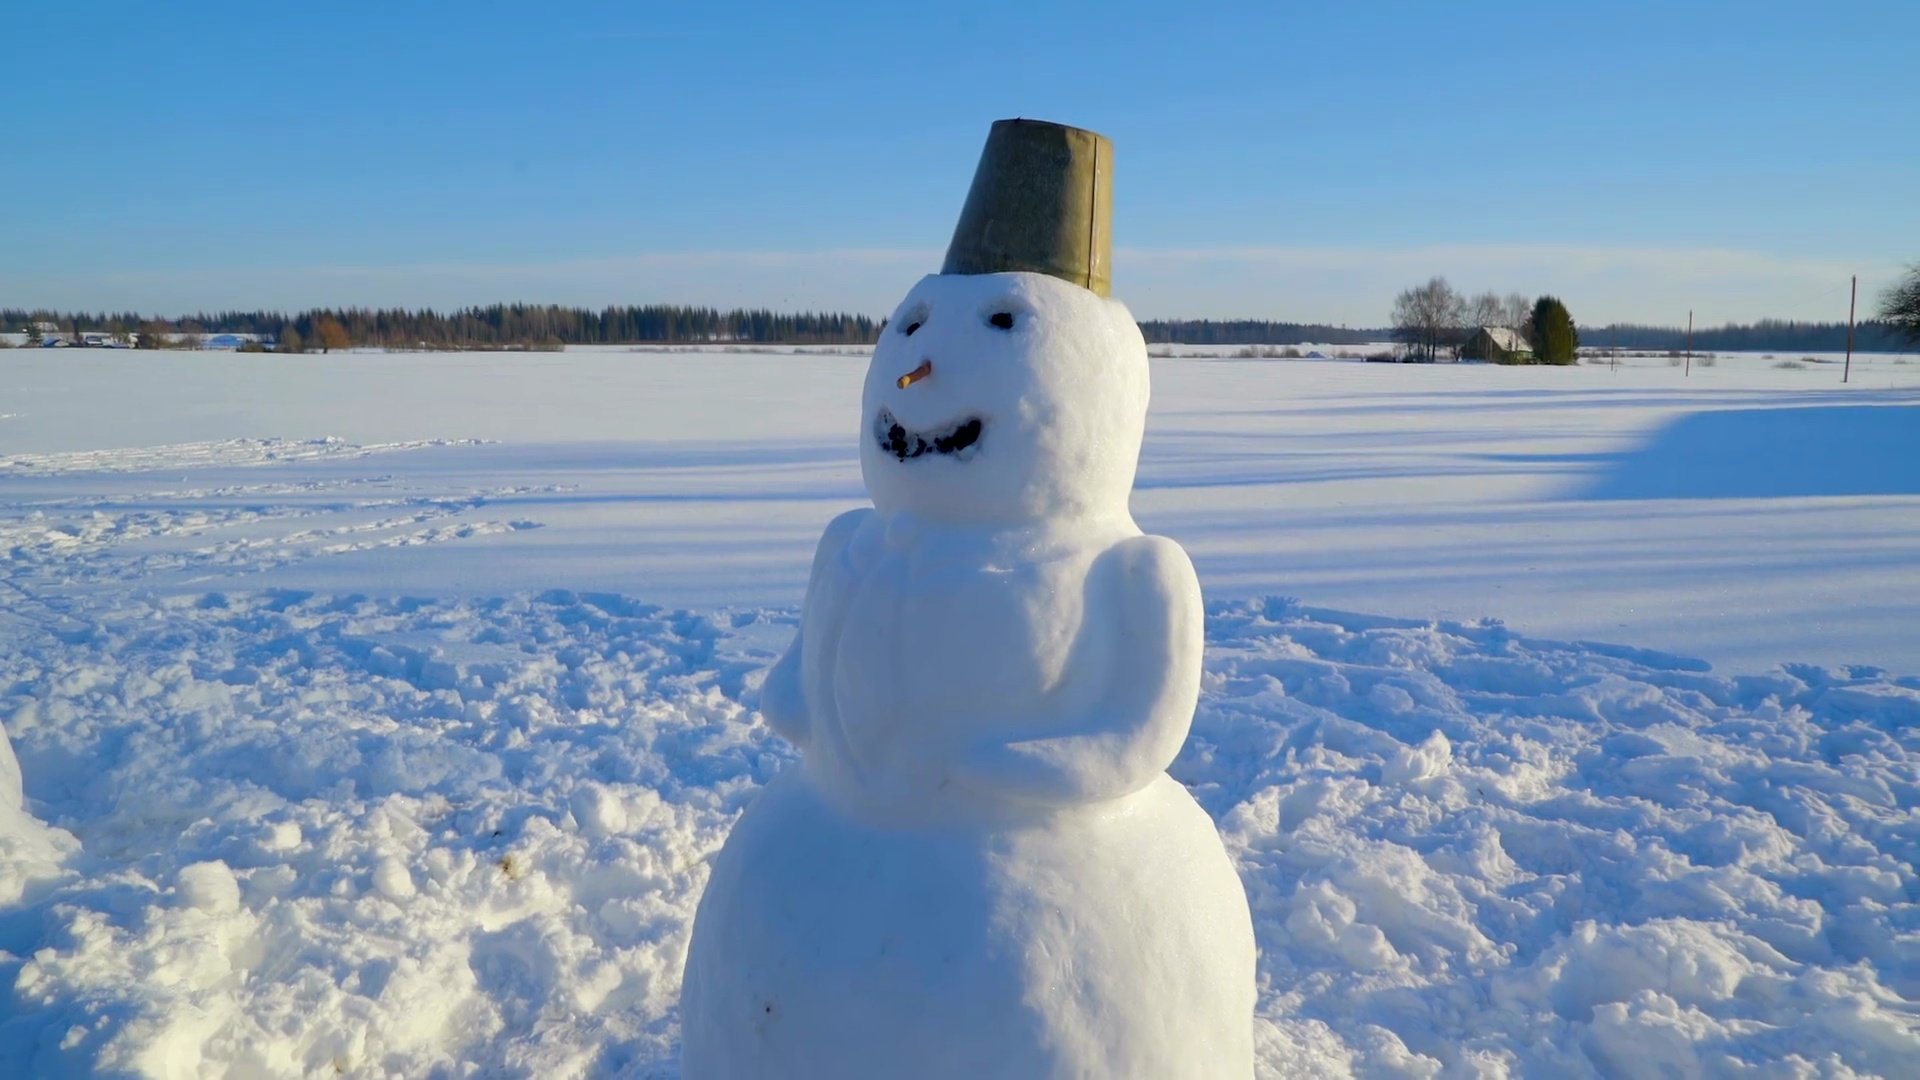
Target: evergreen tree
{"x": 1555, "y": 338}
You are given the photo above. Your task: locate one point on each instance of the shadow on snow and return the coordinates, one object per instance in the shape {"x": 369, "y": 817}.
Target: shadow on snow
{"x": 1771, "y": 453}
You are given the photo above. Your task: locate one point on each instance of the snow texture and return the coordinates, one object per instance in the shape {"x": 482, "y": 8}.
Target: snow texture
{"x": 1465, "y": 850}
{"x": 1471, "y": 848}
{"x": 980, "y": 867}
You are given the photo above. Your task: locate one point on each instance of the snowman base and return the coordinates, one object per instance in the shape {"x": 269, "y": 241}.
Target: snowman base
{"x": 1110, "y": 939}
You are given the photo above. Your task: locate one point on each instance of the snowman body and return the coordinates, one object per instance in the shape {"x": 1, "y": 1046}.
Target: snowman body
{"x": 905, "y": 689}
{"x": 979, "y": 866}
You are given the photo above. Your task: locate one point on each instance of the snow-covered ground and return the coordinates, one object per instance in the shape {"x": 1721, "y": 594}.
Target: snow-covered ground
{"x": 382, "y": 711}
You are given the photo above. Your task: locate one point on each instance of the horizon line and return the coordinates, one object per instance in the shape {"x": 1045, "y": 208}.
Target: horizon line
{"x": 1207, "y": 281}
{"x": 437, "y": 310}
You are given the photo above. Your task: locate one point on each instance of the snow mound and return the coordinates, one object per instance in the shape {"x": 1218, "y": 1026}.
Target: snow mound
{"x": 31, "y": 854}
{"x": 343, "y": 833}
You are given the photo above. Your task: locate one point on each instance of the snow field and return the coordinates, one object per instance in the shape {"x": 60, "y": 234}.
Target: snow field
{"x": 349, "y": 739}
{"x": 1745, "y": 515}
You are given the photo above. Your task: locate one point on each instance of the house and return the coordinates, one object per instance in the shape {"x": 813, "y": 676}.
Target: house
{"x": 1497, "y": 343}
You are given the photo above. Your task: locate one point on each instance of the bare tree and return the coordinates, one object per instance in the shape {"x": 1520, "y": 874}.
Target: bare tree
{"x": 1428, "y": 317}
{"x": 1516, "y": 312}
{"x": 331, "y": 334}
{"x": 1900, "y": 305}
{"x": 1486, "y": 309}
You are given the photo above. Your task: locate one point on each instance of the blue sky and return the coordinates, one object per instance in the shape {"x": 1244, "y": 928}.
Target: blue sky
{"x": 1273, "y": 160}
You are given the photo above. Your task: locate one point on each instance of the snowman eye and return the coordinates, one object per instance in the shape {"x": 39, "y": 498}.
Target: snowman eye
{"x": 910, "y": 328}
{"x": 1002, "y": 319}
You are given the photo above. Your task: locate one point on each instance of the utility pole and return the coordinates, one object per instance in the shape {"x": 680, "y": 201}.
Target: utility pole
{"x": 1689, "y": 371}
{"x": 1852, "y": 298}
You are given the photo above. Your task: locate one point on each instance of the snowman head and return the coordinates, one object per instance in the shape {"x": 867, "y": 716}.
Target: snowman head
{"x": 1004, "y": 398}
{"x": 1009, "y": 387}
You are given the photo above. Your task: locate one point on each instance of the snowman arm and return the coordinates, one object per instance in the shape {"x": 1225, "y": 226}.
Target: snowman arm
{"x": 1137, "y": 728}
{"x": 783, "y": 696}
{"x": 782, "y": 701}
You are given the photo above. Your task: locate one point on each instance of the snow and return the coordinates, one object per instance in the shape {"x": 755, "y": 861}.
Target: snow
{"x": 504, "y": 639}
{"x": 700, "y": 478}
{"x": 981, "y": 867}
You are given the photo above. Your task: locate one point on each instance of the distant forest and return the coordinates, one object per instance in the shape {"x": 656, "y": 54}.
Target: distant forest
{"x": 1767, "y": 335}
{"x": 501, "y": 326}
{"x": 491, "y": 327}
{"x": 1253, "y": 332}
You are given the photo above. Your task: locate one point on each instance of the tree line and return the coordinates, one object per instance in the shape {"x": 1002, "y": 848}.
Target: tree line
{"x": 493, "y": 326}
{"x": 1426, "y": 320}
{"x": 1767, "y": 335}
{"x": 1252, "y": 332}
{"x": 509, "y": 325}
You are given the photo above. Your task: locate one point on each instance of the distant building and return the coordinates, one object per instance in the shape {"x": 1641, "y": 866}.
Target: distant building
{"x": 52, "y": 336}
{"x": 1496, "y": 343}
{"x": 234, "y": 342}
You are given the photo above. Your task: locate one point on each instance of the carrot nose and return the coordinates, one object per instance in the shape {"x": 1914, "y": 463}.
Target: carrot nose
{"x": 925, "y": 369}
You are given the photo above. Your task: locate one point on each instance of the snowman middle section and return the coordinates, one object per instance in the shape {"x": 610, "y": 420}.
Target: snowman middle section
{"x": 967, "y": 669}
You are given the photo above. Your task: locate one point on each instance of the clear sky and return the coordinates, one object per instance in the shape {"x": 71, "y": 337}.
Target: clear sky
{"x": 1291, "y": 161}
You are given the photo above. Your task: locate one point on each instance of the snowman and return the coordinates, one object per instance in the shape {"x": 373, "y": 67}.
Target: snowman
{"x": 979, "y": 866}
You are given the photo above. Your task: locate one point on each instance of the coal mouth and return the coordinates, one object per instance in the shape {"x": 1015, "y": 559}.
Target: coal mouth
{"x": 894, "y": 438}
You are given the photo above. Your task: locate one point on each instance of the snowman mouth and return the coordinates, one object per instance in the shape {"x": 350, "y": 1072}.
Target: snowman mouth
{"x": 895, "y": 438}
